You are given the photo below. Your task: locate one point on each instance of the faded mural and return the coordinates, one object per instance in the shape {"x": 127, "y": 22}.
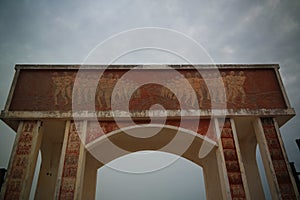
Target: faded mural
{"x": 43, "y": 90}
{"x": 233, "y": 83}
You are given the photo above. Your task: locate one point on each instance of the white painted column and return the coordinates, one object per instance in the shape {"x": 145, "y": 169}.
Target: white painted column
{"x": 240, "y": 159}
{"x": 248, "y": 145}
{"x": 23, "y": 161}
{"x": 72, "y": 162}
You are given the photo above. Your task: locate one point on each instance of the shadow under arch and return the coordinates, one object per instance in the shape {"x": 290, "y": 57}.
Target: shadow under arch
{"x": 170, "y": 139}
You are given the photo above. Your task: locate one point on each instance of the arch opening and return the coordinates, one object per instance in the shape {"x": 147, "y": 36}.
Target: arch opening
{"x": 181, "y": 180}
{"x": 147, "y": 149}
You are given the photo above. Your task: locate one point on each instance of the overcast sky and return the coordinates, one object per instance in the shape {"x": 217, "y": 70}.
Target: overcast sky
{"x": 232, "y": 31}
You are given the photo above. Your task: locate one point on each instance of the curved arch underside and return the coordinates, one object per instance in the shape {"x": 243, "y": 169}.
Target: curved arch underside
{"x": 181, "y": 142}
{"x": 194, "y": 147}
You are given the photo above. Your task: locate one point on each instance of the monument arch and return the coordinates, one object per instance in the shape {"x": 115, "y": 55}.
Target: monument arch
{"x": 78, "y": 129}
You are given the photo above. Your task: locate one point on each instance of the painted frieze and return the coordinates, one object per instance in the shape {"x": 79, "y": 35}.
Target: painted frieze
{"x": 50, "y": 90}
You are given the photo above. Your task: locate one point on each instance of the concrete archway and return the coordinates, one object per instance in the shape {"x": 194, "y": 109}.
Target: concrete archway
{"x": 254, "y": 112}
{"x": 118, "y": 143}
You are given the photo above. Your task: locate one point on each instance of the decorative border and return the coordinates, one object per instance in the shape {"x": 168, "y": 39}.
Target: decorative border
{"x": 71, "y": 161}
{"x": 153, "y": 113}
{"x": 278, "y": 161}
{"x": 20, "y": 162}
{"x": 232, "y": 162}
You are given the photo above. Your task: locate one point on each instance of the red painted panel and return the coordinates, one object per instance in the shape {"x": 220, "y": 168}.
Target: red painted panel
{"x": 50, "y": 90}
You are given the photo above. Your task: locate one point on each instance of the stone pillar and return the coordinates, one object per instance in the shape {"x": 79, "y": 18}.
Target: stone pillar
{"x": 231, "y": 166}
{"x": 72, "y": 162}
{"x": 248, "y": 145}
{"x": 278, "y": 172}
{"x": 23, "y": 160}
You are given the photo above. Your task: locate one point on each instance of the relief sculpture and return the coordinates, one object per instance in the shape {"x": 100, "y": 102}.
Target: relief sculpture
{"x": 240, "y": 89}
{"x": 207, "y": 90}
{"x": 234, "y": 86}
{"x": 62, "y": 87}
{"x": 179, "y": 91}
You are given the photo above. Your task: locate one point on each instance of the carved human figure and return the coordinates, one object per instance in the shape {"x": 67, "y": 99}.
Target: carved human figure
{"x": 165, "y": 90}
{"x": 237, "y": 87}
{"x": 69, "y": 81}
{"x": 87, "y": 88}
{"x": 204, "y": 87}
{"x": 195, "y": 83}
{"x": 119, "y": 92}
{"x": 105, "y": 88}
{"x": 234, "y": 84}
{"x": 240, "y": 80}
{"x": 129, "y": 88}
{"x": 183, "y": 95}
{"x": 59, "y": 88}
{"x": 62, "y": 87}
{"x": 100, "y": 93}
{"x": 175, "y": 90}
{"x": 219, "y": 88}
{"x": 215, "y": 87}
{"x": 210, "y": 85}
{"x": 78, "y": 90}
{"x": 201, "y": 89}
{"x": 188, "y": 96}
{"x": 223, "y": 75}
{"x": 231, "y": 91}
